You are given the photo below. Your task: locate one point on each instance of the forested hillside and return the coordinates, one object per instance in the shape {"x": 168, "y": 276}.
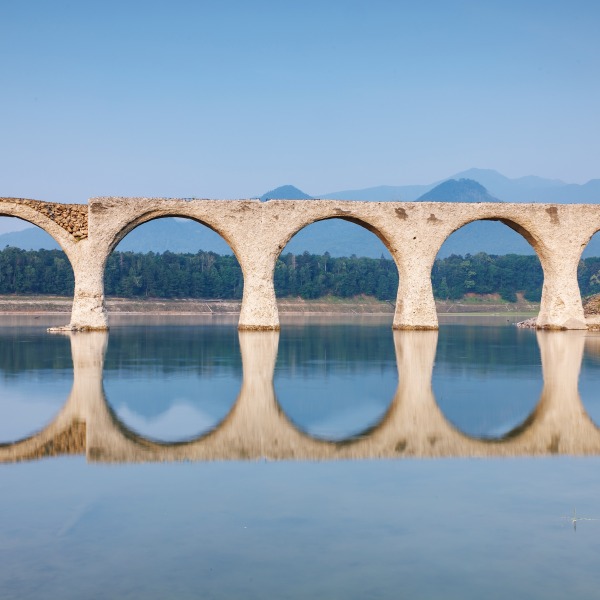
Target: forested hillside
{"x": 210, "y": 276}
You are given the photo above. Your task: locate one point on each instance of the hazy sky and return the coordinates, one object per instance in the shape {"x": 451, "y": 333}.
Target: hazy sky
{"x": 230, "y": 99}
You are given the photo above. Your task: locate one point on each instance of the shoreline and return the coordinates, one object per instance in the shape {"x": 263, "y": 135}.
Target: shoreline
{"x": 59, "y": 305}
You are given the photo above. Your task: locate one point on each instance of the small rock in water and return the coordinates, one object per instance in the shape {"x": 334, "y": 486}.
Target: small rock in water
{"x": 527, "y": 323}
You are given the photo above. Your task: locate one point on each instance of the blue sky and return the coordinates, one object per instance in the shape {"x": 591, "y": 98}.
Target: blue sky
{"x": 230, "y": 99}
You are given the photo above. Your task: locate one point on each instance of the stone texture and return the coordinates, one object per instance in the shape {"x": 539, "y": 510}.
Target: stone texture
{"x": 258, "y": 231}
{"x": 72, "y": 218}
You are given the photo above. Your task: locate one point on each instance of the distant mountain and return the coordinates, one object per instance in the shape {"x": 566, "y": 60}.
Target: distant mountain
{"x": 285, "y": 192}
{"x": 534, "y": 189}
{"x": 491, "y": 237}
{"x": 341, "y": 238}
{"x": 382, "y": 193}
{"x": 458, "y": 190}
{"x": 31, "y": 238}
{"x": 588, "y": 193}
{"x": 174, "y": 235}
{"x": 521, "y": 189}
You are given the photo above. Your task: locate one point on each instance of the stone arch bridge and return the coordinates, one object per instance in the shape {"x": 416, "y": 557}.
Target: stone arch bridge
{"x": 258, "y": 231}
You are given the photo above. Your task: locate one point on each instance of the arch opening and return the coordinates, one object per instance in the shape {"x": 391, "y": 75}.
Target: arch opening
{"x": 177, "y": 260}
{"x": 336, "y": 262}
{"x": 488, "y": 265}
{"x": 32, "y": 263}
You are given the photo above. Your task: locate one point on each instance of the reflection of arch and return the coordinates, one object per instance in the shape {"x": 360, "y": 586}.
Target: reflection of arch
{"x": 468, "y": 374}
{"x": 368, "y": 430}
{"x": 413, "y": 426}
{"x": 157, "y": 445}
{"x": 256, "y": 427}
{"x": 67, "y": 433}
{"x": 319, "y": 366}
{"x": 149, "y": 441}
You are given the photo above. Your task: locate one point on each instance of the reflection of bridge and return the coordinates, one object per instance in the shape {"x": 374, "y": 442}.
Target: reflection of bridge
{"x": 257, "y": 232}
{"x": 256, "y": 427}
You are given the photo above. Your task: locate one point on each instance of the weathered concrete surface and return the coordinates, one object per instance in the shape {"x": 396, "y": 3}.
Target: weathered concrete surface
{"x": 257, "y": 232}
{"x": 257, "y": 428}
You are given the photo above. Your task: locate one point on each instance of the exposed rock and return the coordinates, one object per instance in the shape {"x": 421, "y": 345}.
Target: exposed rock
{"x": 591, "y": 305}
{"x": 591, "y": 310}
{"x": 527, "y": 323}
{"x": 73, "y": 218}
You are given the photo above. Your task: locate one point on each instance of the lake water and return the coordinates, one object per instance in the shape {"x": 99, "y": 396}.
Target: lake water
{"x": 335, "y": 459}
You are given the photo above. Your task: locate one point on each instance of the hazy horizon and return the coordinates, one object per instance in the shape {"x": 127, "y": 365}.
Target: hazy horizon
{"x": 226, "y": 100}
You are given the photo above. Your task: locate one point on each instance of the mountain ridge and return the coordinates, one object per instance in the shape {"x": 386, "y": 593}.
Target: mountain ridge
{"x": 458, "y": 190}
{"x": 341, "y": 238}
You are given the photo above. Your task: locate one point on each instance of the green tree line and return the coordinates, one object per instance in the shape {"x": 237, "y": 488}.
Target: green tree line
{"x": 211, "y": 276}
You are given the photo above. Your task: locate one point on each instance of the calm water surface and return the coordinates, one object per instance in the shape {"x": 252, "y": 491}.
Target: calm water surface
{"x": 326, "y": 461}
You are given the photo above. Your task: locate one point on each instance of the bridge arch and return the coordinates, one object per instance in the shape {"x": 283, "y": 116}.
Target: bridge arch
{"x": 349, "y": 215}
{"x": 467, "y": 230}
{"x": 383, "y": 278}
{"x": 257, "y": 233}
{"x": 202, "y": 221}
{"x": 289, "y": 223}
{"x": 554, "y": 234}
{"x": 519, "y": 224}
{"x": 10, "y": 207}
{"x": 153, "y": 214}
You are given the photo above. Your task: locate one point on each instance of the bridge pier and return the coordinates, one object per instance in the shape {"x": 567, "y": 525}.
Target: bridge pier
{"x": 89, "y": 311}
{"x": 561, "y": 306}
{"x": 415, "y": 305}
{"x": 259, "y": 304}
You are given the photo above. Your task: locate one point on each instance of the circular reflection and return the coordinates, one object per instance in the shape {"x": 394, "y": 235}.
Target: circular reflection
{"x": 589, "y": 378}
{"x": 487, "y": 380}
{"x": 169, "y": 383}
{"x": 36, "y": 376}
{"x": 335, "y": 381}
